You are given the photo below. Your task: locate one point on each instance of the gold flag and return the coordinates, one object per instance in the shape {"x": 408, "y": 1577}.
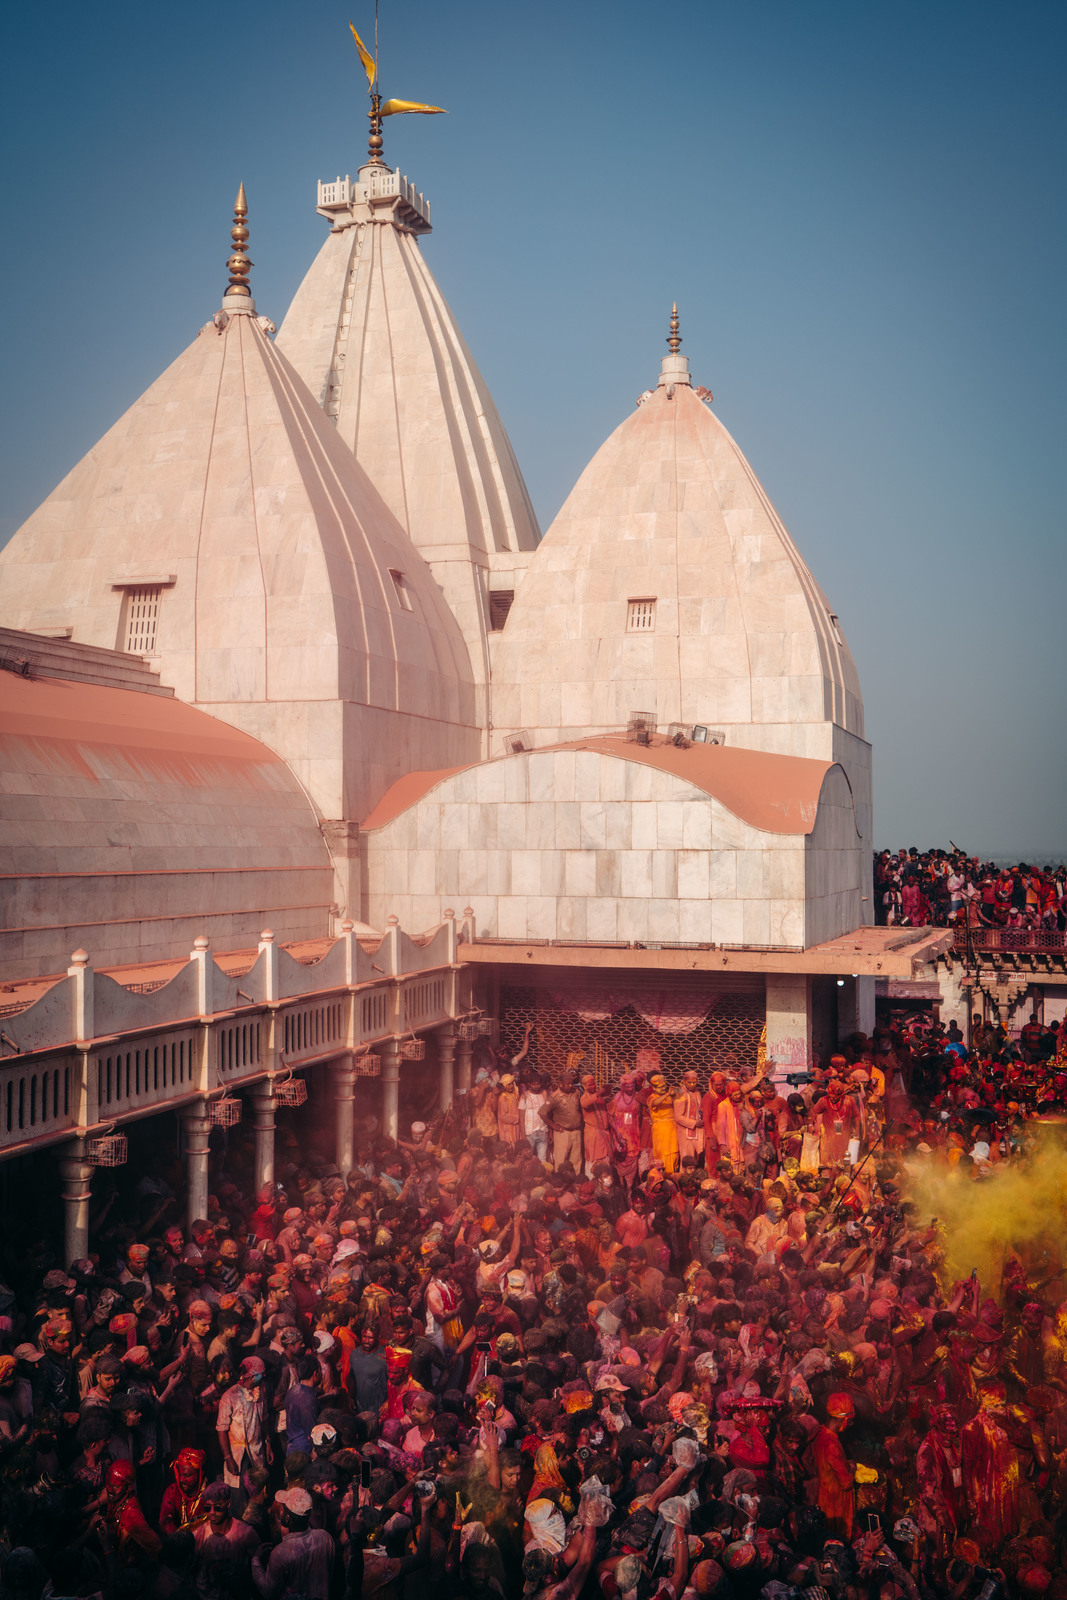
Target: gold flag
{"x": 369, "y": 64}
{"x": 392, "y": 107}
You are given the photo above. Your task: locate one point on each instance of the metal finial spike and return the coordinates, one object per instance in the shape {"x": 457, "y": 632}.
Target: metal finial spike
{"x": 238, "y": 265}
{"x": 674, "y": 338}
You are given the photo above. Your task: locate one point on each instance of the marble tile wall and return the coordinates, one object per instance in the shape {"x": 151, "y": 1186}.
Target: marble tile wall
{"x": 577, "y": 845}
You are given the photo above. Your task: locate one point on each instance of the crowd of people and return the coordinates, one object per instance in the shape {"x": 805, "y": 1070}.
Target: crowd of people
{"x": 946, "y": 888}
{"x": 567, "y": 1340}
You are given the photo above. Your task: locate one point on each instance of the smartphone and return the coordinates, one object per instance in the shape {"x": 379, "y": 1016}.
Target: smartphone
{"x": 364, "y": 1474}
{"x": 873, "y": 1524}
{"x": 483, "y": 1345}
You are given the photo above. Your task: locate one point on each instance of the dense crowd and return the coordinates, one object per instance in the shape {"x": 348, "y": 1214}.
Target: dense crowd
{"x": 943, "y": 888}
{"x": 567, "y": 1340}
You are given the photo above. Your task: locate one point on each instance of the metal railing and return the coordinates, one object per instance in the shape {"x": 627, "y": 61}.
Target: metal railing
{"x": 1017, "y": 940}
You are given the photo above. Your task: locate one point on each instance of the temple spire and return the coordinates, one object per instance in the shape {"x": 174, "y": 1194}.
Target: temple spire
{"x": 675, "y": 367}
{"x": 239, "y": 264}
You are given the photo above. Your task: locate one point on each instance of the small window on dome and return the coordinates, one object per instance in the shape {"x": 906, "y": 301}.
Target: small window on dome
{"x": 141, "y": 620}
{"x": 640, "y": 616}
{"x": 836, "y": 626}
{"x": 401, "y": 587}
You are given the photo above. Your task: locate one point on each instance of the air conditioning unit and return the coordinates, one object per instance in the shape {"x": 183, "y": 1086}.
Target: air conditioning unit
{"x": 702, "y": 735}
{"x": 640, "y": 728}
{"x": 516, "y": 743}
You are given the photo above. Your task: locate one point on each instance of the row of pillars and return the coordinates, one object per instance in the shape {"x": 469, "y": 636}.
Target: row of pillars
{"x": 454, "y": 1057}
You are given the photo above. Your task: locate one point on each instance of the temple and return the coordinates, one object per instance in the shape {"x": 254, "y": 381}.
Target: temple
{"x": 306, "y": 725}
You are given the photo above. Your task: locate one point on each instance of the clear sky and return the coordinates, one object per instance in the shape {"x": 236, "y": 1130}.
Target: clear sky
{"x": 860, "y": 210}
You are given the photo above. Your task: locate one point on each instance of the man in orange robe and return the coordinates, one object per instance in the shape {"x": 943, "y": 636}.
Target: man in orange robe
{"x": 833, "y": 1474}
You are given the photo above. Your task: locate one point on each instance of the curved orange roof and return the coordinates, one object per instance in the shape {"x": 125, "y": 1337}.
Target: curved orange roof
{"x": 778, "y": 794}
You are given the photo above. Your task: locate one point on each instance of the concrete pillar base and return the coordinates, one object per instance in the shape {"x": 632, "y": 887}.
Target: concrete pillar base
{"x": 788, "y": 1024}
{"x": 263, "y": 1109}
{"x": 464, "y": 1051}
{"x": 197, "y": 1129}
{"x": 76, "y": 1174}
{"x": 446, "y": 1052}
{"x": 391, "y": 1089}
{"x": 343, "y": 1073}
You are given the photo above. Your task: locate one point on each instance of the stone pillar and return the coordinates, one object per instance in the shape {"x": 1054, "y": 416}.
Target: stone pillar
{"x": 788, "y": 1023}
{"x": 76, "y": 1174}
{"x": 446, "y": 1052}
{"x": 263, "y": 1108}
{"x": 343, "y": 1073}
{"x": 464, "y": 1051}
{"x": 197, "y": 1129}
{"x": 391, "y": 1088}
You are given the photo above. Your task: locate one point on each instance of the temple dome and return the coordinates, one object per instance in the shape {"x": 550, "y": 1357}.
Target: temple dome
{"x": 668, "y": 585}
{"x": 222, "y": 528}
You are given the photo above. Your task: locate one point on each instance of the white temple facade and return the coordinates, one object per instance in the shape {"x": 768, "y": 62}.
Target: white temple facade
{"x": 659, "y": 746}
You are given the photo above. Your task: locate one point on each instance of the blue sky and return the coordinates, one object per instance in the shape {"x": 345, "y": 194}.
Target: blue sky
{"x": 859, "y": 208}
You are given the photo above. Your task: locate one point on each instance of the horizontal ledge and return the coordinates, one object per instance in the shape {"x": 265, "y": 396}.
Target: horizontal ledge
{"x": 145, "y": 580}
{"x": 155, "y": 872}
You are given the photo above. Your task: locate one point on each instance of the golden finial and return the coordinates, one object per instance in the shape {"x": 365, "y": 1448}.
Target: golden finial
{"x": 674, "y": 338}
{"x": 375, "y": 144}
{"x": 238, "y": 265}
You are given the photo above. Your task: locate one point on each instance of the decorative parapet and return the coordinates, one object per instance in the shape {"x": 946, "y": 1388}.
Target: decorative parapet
{"x": 91, "y": 1050}
{"x": 374, "y": 187}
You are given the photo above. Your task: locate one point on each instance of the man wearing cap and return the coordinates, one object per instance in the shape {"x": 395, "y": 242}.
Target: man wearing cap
{"x": 303, "y": 1563}
{"x": 183, "y": 1504}
{"x": 562, "y": 1116}
{"x": 626, "y": 1115}
{"x": 508, "y": 1114}
{"x": 135, "y": 1267}
{"x": 122, "y": 1523}
{"x": 833, "y": 1474}
{"x": 241, "y": 1426}
{"x": 224, "y": 1546}
{"x": 689, "y": 1119}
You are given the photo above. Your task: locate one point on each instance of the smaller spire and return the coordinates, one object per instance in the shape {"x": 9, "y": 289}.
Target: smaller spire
{"x": 239, "y": 264}
{"x": 674, "y": 338}
{"x": 675, "y": 367}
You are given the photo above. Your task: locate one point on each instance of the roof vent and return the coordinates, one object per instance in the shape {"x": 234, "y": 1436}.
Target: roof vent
{"x": 516, "y": 743}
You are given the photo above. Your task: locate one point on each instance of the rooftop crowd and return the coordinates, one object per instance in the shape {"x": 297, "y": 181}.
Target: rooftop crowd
{"x": 566, "y": 1341}
{"x": 942, "y": 888}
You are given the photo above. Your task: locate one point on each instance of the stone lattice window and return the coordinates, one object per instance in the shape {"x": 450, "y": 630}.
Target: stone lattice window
{"x": 640, "y": 616}
{"x": 142, "y": 619}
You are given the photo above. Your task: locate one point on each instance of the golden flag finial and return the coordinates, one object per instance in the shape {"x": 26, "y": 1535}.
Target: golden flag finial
{"x": 674, "y": 338}
{"x": 238, "y": 265}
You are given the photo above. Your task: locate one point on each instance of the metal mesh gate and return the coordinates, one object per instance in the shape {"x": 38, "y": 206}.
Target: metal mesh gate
{"x": 610, "y": 1046}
